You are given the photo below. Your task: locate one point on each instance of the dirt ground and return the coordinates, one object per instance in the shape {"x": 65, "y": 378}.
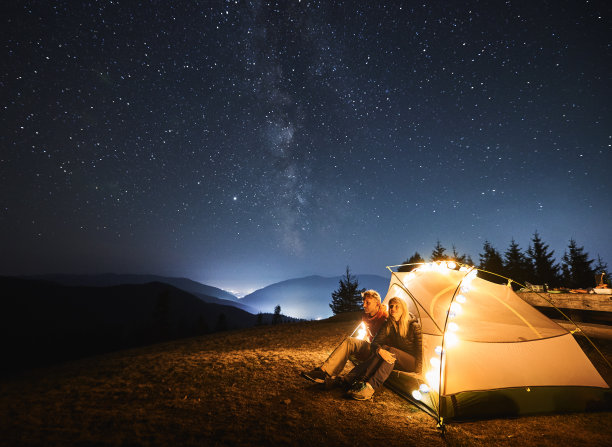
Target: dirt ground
{"x": 243, "y": 388}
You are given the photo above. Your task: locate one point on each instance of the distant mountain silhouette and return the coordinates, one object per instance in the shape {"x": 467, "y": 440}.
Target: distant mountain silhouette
{"x": 307, "y": 297}
{"x": 206, "y": 293}
{"x": 45, "y": 322}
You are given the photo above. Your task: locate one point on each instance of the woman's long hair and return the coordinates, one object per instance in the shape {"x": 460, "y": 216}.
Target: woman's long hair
{"x": 404, "y": 320}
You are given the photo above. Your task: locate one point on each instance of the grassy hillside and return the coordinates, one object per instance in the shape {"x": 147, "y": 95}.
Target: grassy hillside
{"x": 243, "y": 388}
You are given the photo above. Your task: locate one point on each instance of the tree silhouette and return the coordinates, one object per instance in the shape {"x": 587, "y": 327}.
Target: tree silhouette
{"x": 439, "y": 252}
{"x": 576, "y": 267}
{"x": 601, "y": 267}
{"x": 545, "y": 271}
{"x": 348, "y": 296}
{"x": 414, "y": 259}
{"x": 516, "y": 263}
{"x": 491, "y": 261}
{"x": 276, "y": 318}
{"x": 464, "y": 259}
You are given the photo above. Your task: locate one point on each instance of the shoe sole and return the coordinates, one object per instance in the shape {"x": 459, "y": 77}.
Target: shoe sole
{"x": 312, "y": 379}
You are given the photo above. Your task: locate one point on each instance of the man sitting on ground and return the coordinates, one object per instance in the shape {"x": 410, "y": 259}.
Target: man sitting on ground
{"x": 374, "y": 316}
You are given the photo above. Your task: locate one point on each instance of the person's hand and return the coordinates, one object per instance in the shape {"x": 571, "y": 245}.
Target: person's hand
{"x": 386, "y": 356}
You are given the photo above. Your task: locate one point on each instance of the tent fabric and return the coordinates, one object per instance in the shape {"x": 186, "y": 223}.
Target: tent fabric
{"x": 486, "y": 352}
{"x": 555, "y": 361}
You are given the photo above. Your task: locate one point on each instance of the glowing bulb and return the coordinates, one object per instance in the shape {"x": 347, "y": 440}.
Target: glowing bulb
{"x": 463, "y": 268}
{"x": 433, "y": 379}
{"x": 443, "y": 265}
{"x": 450, "y": 339}
{"x": 451, "y": 265}
{"x": 455, "y": 307}
{"x": 460, "y": 299}
{"x": 423, "y": 388}
{"x": 438, "y": 350}
{"x": 362, "y": 332}
{"x": 435, "y": 362}
{"x": 452, "y": 326}
{"x": 470, "y": 276}
{"x": 416, "y": 394}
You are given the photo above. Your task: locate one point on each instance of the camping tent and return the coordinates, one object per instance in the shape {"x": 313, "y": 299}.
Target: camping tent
{"x": 486, "y": 352}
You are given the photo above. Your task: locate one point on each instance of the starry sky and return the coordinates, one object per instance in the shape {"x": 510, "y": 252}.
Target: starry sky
{"x": 240, "y": 143}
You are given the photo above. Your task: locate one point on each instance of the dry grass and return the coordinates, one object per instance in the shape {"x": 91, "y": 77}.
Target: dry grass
{"x": 242, "y": 388}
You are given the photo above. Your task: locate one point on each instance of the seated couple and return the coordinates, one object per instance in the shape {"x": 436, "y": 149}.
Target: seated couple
{"x": 397, "y": 345}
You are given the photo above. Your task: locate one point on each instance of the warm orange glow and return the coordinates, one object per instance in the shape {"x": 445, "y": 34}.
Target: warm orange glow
{"x": 362, "y": 332}
{"x": 450, "y": 339}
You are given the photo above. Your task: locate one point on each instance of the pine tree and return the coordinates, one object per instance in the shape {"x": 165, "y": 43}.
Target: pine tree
{"x": 576, "y": 267}
{"x": 348, "y": 296}
{"x": 464, "y": 259}
{"x": 414, "y": 259}
{"x": 276, "y": 318}
{"x": 602, "y": 268}
{"x": 516, "y": 264}
{"x": 491, "y": 261}
{"x": 544, "y": 269}
{"x": 439, "y": 252}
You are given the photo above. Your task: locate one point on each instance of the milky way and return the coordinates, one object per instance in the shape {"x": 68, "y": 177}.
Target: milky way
{"x": 242, "y": 143}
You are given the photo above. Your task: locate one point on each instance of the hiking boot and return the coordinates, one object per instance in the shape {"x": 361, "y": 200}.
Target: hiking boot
{"x": 361, "y": 391}
{"x": 317, "y": 375}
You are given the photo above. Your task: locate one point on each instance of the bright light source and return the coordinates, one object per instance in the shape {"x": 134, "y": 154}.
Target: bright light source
{"x": 460, "y": 299}
{"x": 450, "y": 339}
{"x": 433, "y": 379}
{"x": 452, "y": 265}
{"x": 409, "y": 277}
{"x": 438, "y": 350}
{"x": 472, "y": 275}
{"x": 416, "y": 394}
{"x": 463, "y": 268}
{"x": 423, "y": 388}
{"x": 452, "y": 326}
{"x": 362, "y": 332}
{"x": 435, "y": 362}
{"x": 455, "y": 307}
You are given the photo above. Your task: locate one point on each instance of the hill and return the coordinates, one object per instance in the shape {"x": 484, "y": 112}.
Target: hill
{"x": 206, "y": 293}
{"x": 43, "y": 322}
{"x": 242, "y": 388}
{"x": 308, "y": 297}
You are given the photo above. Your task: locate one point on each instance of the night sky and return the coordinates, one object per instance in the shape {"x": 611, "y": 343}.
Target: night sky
{"x": 240, "y": 143}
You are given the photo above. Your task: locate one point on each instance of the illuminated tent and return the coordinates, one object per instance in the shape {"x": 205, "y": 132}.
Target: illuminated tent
{"x": 487, "y": 353}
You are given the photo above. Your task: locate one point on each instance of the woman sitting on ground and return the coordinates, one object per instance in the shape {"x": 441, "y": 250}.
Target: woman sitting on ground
{"x": 398, "y": 345}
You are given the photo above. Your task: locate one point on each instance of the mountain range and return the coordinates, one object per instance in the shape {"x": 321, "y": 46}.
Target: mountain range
{"x": 304, "y": 298}
{"x": 206, "y": 293}
{"x": 59, "y": 317}
{"x": 308, "y": 297}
